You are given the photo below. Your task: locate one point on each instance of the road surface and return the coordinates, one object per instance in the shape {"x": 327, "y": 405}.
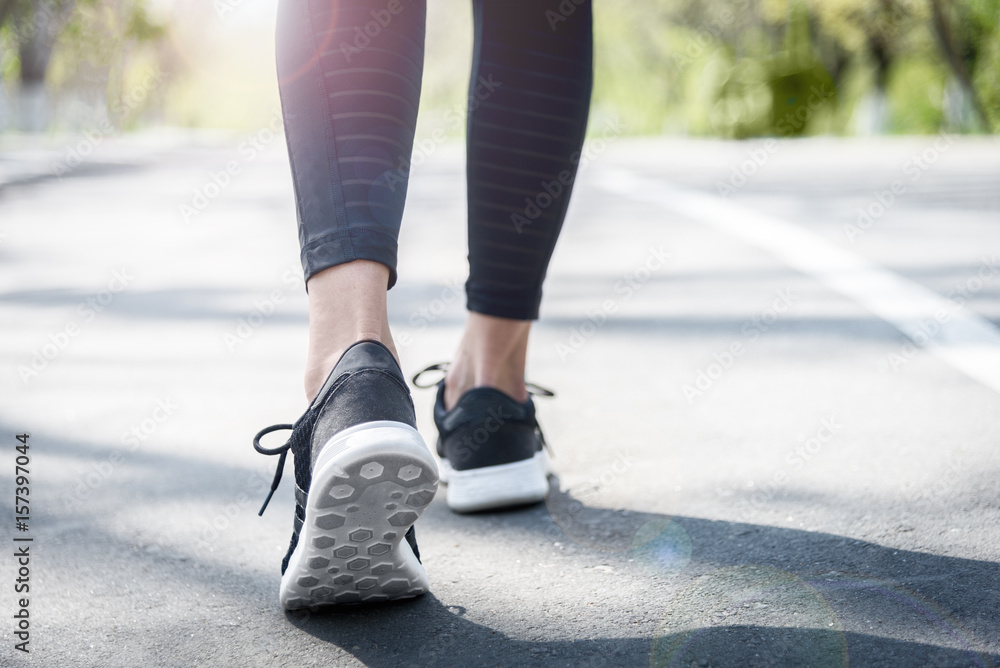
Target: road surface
{"x": 776, "y": 430}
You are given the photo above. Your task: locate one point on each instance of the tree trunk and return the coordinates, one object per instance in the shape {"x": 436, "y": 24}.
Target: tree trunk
{"x": 6, "y": 8}
{"x": 876, "y": 107}
{"x": 6, "y": 11}
{"x": 37, "y": 32}
{"x": 942, "y": 30}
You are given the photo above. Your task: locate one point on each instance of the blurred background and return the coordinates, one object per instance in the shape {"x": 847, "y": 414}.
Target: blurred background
{"x": 773, "y": 321}
{"x": 709, "y": 68}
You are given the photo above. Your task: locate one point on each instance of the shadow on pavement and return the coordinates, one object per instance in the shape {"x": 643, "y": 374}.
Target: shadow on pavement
{"x": 730, "y": 594}
{"x": 425, "y": 632}
{"x": 723, "y": 593}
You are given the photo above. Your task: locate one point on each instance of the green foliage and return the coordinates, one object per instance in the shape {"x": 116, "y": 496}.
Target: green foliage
{"x": 977, "y": 24}
{"x": 743, "y": 68}
{"x": 986, "y": 78}
{"x": 916, "y": 86}
{"x": 725, "y": 68}
{"x": 108, "y": 51}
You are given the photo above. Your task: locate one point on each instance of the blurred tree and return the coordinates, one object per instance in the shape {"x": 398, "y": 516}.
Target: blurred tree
{"x": 800, "y": 84}
{"x": 874, "y": 31}
{"x": 6, "y": 6}
{"x": 87, "y": 33}
{"x": 967, "y": 30}
{"x": 728, "y": 68}
{"x": 36, "y": 25}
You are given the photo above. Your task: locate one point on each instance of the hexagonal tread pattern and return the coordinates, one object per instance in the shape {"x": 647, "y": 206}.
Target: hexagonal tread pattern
{"x": 341, "y": 491}
{"x": 354, "y": 534}
{"x": 419, "y": 499}
{"x": 367, "y": 583}
{"x": 379, "y": 549}
{"x": 410, "y": 472}
{"x": 403, "y": 518}
{"x": 371, "y": 470}
{"x": 358, "y": 564}
{"x": 330, "y": 522}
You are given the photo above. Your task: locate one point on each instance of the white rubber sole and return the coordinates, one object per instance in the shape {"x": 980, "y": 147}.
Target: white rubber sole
{"x": 363, "y": 498}
{"x": 501, "y": 486}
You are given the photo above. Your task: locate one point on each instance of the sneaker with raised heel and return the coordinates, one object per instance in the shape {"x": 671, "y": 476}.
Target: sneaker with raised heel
{"x": 363, "y": 476}
{"x": 491, "y": 450}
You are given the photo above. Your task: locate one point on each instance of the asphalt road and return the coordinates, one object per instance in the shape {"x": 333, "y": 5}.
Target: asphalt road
{"x": 755, "y": 465}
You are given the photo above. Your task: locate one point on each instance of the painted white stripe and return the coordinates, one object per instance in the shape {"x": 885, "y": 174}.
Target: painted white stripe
{"x": 963, "y": 339}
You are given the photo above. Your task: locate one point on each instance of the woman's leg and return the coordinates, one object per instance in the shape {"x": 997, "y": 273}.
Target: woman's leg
{"x": 529, "y": 99}
{"x": 349, "y": 75}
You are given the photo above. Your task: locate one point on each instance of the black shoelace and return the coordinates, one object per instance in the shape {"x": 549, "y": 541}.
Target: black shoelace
{"x": 280, "y": 450}
{"x": 533, "y": 389}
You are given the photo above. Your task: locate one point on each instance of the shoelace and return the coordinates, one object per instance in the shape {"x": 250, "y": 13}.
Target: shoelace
{"x": 280, "y": 450}
{"x": 533, "y": 389}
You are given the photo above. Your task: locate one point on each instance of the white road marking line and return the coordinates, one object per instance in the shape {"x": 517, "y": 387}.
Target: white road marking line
{"x": 963, "y": 339}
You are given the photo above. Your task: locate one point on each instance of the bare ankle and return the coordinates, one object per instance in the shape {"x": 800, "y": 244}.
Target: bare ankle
{"x": 492, "y": 354}
{"x": 347, "y": 304}
{"x": 318, "y": 370}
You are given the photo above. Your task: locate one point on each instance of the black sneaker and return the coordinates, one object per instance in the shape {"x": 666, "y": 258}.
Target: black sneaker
{"x": 491, "y": 449}
{"x": 363, "y": 475}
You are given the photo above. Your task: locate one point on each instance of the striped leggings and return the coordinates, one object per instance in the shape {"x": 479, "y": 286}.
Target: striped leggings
{"x": 349, "y": 75}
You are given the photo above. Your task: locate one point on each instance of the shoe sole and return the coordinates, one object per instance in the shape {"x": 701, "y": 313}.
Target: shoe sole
{"x": 370, "y": 484}
{"x": 493, "y": 487}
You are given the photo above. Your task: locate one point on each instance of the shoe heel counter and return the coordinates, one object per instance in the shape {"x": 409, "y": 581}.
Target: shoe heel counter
{"x": 476, "y": 445}
{"x": 368, "y": 395}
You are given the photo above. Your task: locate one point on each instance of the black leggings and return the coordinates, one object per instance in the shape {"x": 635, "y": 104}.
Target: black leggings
{"x": 349, "y": 74}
